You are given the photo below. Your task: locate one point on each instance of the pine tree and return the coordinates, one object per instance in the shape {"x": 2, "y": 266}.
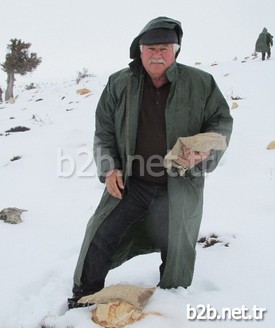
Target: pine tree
{"x": 18, "y": 61}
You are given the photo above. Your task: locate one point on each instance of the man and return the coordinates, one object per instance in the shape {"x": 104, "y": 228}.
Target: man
{"x": 264, "y": 43}
{"x": 142, "y": 112}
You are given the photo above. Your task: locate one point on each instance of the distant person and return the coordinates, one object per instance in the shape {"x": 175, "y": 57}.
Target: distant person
{"x": 264, "y": 43}
{"x": 1, "y": 92}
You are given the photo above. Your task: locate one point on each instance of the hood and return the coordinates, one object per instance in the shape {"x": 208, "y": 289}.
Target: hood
{"x": 264, "y": 30}
{"x": 159, "y": 22}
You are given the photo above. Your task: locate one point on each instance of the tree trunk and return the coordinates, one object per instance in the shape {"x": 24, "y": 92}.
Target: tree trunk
{"x": 10, "y": 84}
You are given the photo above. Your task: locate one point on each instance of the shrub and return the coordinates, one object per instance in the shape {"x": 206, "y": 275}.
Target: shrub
{"x": 82, "y": 75}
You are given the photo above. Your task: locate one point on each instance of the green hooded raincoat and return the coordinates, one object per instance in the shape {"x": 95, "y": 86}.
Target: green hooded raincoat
{"x": 264, "y": 41}
{"x": 195, "y": 104}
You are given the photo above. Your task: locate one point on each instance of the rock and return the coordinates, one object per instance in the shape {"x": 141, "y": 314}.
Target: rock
{"x": 83, "y": 91}
{"x": 18, "y": 129}
{"x": 11, "y": 215}
{"x": 271, "y": 145}
{"x": 234, "y": 105}
{"x": 116, "y": 314}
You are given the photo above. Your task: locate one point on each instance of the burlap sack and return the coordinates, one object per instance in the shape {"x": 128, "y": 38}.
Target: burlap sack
{"x": 201, "y": 142}
{"x": 135, "y": 295}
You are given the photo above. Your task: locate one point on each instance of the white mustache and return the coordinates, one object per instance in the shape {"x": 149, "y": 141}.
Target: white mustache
{"x": 156, "y": 61}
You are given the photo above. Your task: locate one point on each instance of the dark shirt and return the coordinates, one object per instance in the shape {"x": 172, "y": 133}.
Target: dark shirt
{"x": 151, "y": 135}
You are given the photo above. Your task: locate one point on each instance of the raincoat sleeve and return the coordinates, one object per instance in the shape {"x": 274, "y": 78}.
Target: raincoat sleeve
{"x": 217, "y": 119}
{"x": 105, "y": 148}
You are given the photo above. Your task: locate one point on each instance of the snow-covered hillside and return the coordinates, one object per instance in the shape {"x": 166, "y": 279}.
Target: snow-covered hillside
{"x": 49, "y": 171}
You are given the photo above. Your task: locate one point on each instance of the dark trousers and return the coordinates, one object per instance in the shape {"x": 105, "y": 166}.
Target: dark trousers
{"x": 140, "y": 199}
{"x": 268, "y": 55}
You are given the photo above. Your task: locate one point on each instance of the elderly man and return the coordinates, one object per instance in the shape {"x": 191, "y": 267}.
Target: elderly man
{"x": 142, "y": 112}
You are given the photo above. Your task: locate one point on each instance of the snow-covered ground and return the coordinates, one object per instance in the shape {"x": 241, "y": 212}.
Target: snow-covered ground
{"x": 55, "y": 181}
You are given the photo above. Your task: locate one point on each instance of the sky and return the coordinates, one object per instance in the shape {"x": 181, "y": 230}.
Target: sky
{"x": 71, "y": 35}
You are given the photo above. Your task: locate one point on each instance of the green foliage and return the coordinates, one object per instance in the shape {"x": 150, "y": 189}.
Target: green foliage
{"x": 18, "y": 59}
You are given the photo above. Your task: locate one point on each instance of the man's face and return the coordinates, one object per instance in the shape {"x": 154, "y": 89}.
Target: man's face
{"x": 157, "y": 58}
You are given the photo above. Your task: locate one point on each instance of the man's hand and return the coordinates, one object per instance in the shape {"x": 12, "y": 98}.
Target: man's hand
{"x": 114, "y": 183}
{"x": 190, "y": 157}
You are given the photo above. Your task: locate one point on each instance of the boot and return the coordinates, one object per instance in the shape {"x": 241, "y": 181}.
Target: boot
{"x": 78, "y": 293}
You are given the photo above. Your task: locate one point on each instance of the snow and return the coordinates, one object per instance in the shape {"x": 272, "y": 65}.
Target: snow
{"x": 55, "y": 181}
